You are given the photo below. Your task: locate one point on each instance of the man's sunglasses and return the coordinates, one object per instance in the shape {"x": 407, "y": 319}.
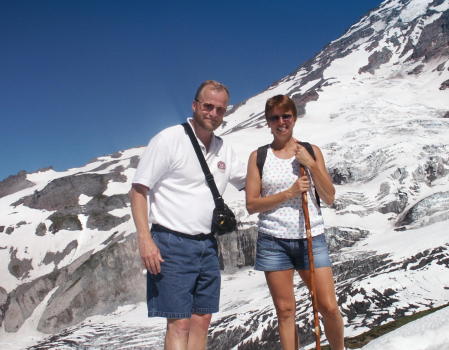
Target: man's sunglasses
{"x": 276, "y": 118}
{"x": 209, "y": 107}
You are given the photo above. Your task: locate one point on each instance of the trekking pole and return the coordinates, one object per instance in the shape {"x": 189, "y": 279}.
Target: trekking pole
{"x": 316, "y": 321}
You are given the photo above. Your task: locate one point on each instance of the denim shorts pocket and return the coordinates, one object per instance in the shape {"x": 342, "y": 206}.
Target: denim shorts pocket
{"x": 265, "y": 242}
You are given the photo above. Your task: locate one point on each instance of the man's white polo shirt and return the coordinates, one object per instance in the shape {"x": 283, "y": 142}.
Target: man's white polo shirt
{"x": 179, "y": 196}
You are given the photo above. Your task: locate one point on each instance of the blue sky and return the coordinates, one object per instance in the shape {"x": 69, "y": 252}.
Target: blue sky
{"x": 85, "y": 78}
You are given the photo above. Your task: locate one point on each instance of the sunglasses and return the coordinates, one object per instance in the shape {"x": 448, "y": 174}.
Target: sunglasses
{"x": 209, "y": 107}
{"x": 276, "y": 118}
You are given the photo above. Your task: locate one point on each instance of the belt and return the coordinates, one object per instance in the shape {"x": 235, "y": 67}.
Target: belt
{"x": 197, "y": 237}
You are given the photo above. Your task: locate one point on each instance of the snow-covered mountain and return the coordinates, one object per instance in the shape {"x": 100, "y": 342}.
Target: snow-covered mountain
{"x": 376, "y": 101}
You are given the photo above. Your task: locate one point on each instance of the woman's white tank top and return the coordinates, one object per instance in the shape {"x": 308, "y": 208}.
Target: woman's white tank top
{"x": 287, "y": 219}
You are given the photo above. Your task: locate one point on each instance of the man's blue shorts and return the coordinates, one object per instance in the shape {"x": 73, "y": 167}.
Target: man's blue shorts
{"x": 276, "y": 254}
{"x": 189, "y": 281}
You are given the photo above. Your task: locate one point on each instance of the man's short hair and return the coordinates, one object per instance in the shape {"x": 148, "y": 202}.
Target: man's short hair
{"x": 215, "y": 85}
{"x": 280, "y": 101}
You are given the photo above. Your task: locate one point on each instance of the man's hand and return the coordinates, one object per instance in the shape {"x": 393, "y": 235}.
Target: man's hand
{"x": 150, "y": 254}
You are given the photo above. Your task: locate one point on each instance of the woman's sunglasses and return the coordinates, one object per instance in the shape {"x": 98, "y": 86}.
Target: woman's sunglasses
{"x": 276, "y": 118}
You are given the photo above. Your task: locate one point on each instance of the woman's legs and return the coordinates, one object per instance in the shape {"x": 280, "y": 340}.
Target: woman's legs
{"x": 280, "y": 284}
{"x": 327, "y": 305}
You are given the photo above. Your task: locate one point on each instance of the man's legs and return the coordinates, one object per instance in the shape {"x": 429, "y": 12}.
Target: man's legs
{"x": 177, "y": 334}
{"x": 199, "y": 324}
{"x": 187, "y": 333}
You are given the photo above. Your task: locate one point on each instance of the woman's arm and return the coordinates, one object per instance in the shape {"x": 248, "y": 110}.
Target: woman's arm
{"x": 254, "y": 202}
{"x": 320, "y": 175}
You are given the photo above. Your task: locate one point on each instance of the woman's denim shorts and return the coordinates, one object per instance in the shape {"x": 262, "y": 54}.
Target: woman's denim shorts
{"x": 276, "y": 254}
{"x": 189, "y": 281}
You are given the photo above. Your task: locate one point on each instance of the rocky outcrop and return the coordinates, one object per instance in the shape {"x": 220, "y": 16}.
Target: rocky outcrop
{"x": 301, "y": 100}
{"x": 19, "y": 268}
{"x": 92, "y": 284}
{"x": 96, "y": 284}
{"x": 433, "y": 41}
{"x": 56, "y": 258}
{"x": 41, "y": 229}
{"x": 444, "y": 85}
{"x": 376, "y": 60}
{"x": 429, "y": 210}
{"x": 14, "y": 183}
{"x": 3, "y": 304}
{"x": 63, "y": 193}
{"x": 237, "y": 249}
{"x": 62, "y": 221}
{"x": 105, "y": 221}
{"x": 102, "y": 203}
{"x": 23, "y": 300}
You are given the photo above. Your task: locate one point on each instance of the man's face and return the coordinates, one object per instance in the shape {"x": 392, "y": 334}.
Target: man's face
{"x": 209, "y": 109}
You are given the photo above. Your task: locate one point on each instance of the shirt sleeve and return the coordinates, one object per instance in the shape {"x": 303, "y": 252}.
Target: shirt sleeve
{"x": 154, "y": 162}
{"x": 238, "y": 171}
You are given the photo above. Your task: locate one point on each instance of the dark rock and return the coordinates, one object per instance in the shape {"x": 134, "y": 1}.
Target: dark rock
{"x": 417, "y": 70}
{"x": 24, "y": 299}
{"x": 302, "y": 100}
{"x": 376, "y": 60}
{"x": 446, "y": 115}
{"x": 106, "y": 203}
{"x": 19, "y": 268}
{"x": 237, "y": 249}
{"x": 57, "y": 257}
{"x": 341, "y": 176}
{"x": 14, "y": 183}
{"x": 395, "y": 206}
{"x": 440, "y": 67}
{"x": 433, "y": 40}
{"x": 104, "y": 221}
{"x": 3, "y": 304}
{"x": 134, "y": 162}
{"x": 62, "y": 221}
{"x": 2, "y": 228}
{"x": 21, "y": 223}
{"x": 429, "y": 210}
{"x": 340, "y": 237}
{"x": 63, "y": 193}
{"x": 97, "y": 284}
{"x": 116, "y": 154}
{"x": 41, "y": 229}
{"x": 444, "y": 85}
{"x": 117, "y": 176}
{"x": 9, "y": 230}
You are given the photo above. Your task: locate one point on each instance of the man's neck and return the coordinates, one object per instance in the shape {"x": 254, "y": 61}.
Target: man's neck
{"x": 205, "y": 136}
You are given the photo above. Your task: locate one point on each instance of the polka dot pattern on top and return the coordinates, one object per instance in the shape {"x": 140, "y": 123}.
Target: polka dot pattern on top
{"x": 287, "y": 219}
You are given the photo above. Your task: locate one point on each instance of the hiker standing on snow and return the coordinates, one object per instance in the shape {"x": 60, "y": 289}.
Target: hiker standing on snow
{"x": 180, "y": 252}
{"x": 273, "y": 188}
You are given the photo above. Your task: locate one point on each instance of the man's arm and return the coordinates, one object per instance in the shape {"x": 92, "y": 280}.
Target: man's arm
{"x": 149, "y": 252}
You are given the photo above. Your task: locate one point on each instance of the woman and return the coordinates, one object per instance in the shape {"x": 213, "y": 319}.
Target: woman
{"x": 275, "y": 192}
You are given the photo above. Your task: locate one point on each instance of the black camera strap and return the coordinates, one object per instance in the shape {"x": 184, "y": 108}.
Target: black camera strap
{"x": 219, "y": 202}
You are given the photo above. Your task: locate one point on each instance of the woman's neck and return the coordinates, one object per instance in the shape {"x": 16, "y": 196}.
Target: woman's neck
{"x": 283, "y": 144}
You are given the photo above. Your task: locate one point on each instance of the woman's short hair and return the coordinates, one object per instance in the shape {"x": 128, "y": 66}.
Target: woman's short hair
{"x": 280, "y": 101}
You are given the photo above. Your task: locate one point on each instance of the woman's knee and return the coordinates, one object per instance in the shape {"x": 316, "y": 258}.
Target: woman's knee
{"x": 285, "y": 310}
{"x": 329, "y": 309}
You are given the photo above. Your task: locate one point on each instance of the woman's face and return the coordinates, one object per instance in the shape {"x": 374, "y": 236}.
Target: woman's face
{"x": 281, "y": 122}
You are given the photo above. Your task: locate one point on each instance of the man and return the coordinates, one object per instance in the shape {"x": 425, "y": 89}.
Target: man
{"x": 180, "y": 253}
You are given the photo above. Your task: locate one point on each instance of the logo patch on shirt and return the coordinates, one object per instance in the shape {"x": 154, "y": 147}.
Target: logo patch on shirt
{"x": 221, "y": 165}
